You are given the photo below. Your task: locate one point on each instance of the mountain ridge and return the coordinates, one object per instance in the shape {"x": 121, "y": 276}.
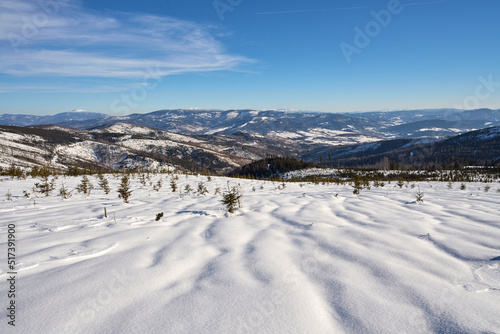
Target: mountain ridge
{"x": 126, "y": 146}
{"x": 262, "y": 122}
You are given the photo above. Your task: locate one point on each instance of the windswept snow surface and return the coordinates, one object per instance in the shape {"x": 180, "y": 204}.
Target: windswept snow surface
{"x": 306, "y": 259}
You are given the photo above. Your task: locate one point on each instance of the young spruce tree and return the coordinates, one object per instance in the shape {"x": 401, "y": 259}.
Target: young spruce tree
{"x": 124, "y": 191}
{"x": 85, "y": 186}
{"x": 103, "y": 183}
{"x": 231, "y": 198}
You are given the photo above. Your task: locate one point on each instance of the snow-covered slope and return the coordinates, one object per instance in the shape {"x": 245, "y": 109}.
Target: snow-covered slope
{"x": 479, "y": 147}
{"x": 119, "y": 146}
{"x": 304, "y": 259}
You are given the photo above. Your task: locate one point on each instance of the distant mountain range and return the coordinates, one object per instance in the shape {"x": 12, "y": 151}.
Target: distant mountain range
{"x": 347, "y": 128}
{"x": 219, "y": 141}
{"x": 61, "y": 118}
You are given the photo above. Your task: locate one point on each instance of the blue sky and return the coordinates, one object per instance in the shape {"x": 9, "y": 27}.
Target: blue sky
{"x": 122, "y": 57}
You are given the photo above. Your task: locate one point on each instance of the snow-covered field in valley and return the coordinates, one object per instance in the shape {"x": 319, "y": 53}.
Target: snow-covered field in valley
{"x": 304, "y": 259}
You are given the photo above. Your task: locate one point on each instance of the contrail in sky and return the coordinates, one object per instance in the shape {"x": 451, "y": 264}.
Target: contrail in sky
{"x": 346, "y": 8}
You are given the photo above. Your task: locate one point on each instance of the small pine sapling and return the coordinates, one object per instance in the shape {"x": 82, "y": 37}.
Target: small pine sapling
{"x": 357, "y": 187}
{"x": 85, "y": 186}
{"x": 231, "y": 198}
{"x": 419, "y": 195}
{"x": 103, "y": 183}
{"x": 173, "y": 185}
{"x": 463, "y": 186}
{"x": 8, "y": 195}
{"x": 64, "y": 192}
{"x": 157, "y": 186}
{"x": 45, "y": 187}
{"x": 124, "y": 191}
{"x": 188, "y": 189}
{"x": 26, "y": 194}
{"x": 158, "y": 216}
{"x": 487, "y": 188}
{"x": 142, "y": 179}
{"x": 202, "y": 189}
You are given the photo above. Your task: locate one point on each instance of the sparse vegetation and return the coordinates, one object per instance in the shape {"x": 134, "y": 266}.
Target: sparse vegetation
{"x": 103, "y": 183}
{"x": 173, "y": 185}
{"x": 45, "y": 187}
{"x": 64, "y": 192}
{"x": 142, "y": 179}
{"x": 357, "y": 187}
{"x": 85, "y": 186}
{"x": 157, "y": 186}
{"x": 188, "y": 189}
{"x": 202, "y": 189}
{"x": 124, "y": 191}
{"x": 231, "y": 198}
{"x": 419, "y": 195}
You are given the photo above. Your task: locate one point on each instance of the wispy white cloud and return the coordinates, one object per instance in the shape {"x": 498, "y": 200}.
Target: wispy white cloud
{"x": 62, "y": 39}
{"x": 416, "y": 3}
{"x": 404, "y": 3}
{"x": 313, "y": 10}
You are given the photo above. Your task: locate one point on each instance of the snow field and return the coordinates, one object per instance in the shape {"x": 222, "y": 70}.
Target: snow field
{"x": 295, "y": 260}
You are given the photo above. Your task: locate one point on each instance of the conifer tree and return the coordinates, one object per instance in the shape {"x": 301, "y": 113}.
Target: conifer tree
{"x": 124, "y": 190}
{"x": 173, "y": 185}
{"x": 45, "y": 187}
{"x": 85, "y": 186}
{"x": 230, "y": 198}
{"x": 103, "y": 183}
{"x": 64, "y": 192}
